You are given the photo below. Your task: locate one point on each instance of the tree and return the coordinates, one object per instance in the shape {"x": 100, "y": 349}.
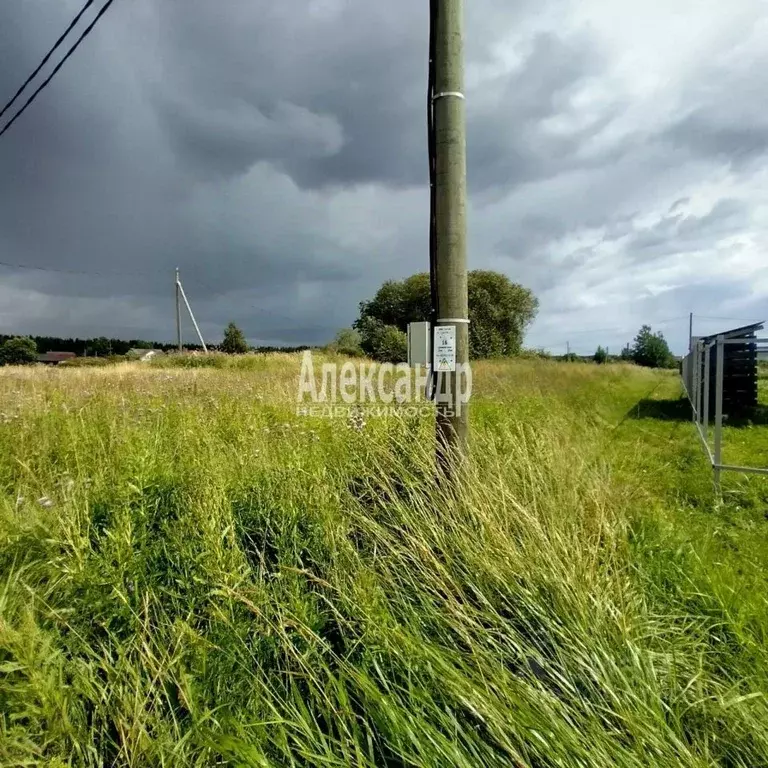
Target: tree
{"x": 651, "y": 349}
{"x": 348, "y": 342}
{"x": 234, "y": 342}
{"x": 601, "y": 356}
{"x": 499, "y": 312}
{"x": 99, "y": 347}
{"x": 20, "y": 350}
{"x": 626, "y": 353}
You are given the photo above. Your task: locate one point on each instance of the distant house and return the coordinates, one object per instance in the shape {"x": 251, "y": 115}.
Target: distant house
{"x": 144, "y": 355}
{"x": 54, "y": 358}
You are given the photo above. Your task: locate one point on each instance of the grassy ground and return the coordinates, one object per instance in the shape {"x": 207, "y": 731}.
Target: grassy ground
{"x": 190, "y": 574}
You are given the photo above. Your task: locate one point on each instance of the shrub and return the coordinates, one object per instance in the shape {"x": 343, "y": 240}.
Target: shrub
{"x": 347, "y": 342}
{"x": 86, "y": 362}
{"x": 384, "y": 343}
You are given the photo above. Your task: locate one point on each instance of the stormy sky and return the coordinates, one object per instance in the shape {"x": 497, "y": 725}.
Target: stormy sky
{"x": 276, "y": 153}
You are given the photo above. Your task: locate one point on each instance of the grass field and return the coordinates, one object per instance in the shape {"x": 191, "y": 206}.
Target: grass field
{"x": 191, "y": 574}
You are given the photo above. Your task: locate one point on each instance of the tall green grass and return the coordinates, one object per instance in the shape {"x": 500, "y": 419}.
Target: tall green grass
{"x": 192, "y": 575}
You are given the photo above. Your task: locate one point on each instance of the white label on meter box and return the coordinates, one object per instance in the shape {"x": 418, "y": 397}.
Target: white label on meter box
{"x": 445, "y": 348}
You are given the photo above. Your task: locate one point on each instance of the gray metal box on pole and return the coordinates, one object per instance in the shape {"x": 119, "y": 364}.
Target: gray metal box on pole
{"x": 419, "y": 344}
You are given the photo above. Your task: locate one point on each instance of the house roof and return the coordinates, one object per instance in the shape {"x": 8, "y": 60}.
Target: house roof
{"x": 735, "y": 333}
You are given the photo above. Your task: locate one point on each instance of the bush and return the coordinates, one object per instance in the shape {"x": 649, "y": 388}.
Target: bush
{"x": 601, "y": 356}
{"x": 535, "y": 354}
{"x": 393, "y": 346}
{"x": 85, "y": 362}
{"x": 384, "y": 343}
{"x": 347, "y": 342}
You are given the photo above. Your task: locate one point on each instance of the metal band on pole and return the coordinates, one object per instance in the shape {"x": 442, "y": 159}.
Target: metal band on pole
{"x": 448, "y": 94}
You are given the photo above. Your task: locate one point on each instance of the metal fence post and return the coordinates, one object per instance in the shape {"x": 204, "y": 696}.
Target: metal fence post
{"x": 694, "y": 393}
{"x": 719, "y": 408}
{"x": 700, "y": 391}
{"x": 707, "y": 357}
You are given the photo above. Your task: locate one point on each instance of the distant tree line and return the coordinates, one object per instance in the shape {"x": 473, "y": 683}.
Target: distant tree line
{"x": 649, "y": 350}
{"x": 98, "y": 347}
{"x": 20, "y": 350}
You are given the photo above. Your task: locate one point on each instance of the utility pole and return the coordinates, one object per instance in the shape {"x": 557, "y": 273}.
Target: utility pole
{"x": 568, "y": 348}
{"x": 450, "y": 223}
{"x": 178, "y": 311}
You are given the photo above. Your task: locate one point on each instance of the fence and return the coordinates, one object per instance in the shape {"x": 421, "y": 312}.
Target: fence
{"x": 704, "y": 381}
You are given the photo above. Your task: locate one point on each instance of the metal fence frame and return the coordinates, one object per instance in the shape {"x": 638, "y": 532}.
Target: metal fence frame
{"x": 700, "y": 395}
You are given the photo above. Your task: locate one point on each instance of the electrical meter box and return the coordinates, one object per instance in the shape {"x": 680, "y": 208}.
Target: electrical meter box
{"x": 419, "y": 345}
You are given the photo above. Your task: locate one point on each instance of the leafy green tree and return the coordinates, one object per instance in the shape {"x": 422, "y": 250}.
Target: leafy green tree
{"x": 234, "y": 341}
{"x": 348, "y": 342}
{"x": 99, "y": 347}
{"x": 651, "y": 349}
{"x": 20, "y": 350}
{"x": 499, "y": 311}
{"x": 601, "y": 356}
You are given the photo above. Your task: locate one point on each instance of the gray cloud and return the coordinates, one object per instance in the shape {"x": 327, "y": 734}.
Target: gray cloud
{"x": 680, "y": 233}
{"x": 276, "y": 153}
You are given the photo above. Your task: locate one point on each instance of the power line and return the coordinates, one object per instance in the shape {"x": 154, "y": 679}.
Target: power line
{"x": 47, "y": 56}
{"x": 50, "y": 77}
{"x": 71, "y": 271}
{"x": 729, "y": 319}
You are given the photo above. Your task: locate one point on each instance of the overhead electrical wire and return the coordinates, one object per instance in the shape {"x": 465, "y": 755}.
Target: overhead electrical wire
{"x": 50, "y": 77}
{"x": 72, "y": 271}
{"x": 47, "y": 56}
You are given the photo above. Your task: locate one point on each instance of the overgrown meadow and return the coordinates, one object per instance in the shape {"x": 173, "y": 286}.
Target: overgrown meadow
{"x": 193, "y": 575}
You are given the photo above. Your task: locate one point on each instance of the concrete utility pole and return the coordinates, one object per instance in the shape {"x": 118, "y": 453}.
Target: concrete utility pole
{"x": 450, "y": 215}
{"x": 178, "y": 311}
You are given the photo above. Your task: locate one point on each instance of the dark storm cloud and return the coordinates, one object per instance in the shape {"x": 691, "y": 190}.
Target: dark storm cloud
{"x": 276, "y": 153}
{"x": 162, "y": 141}
{"x": 339, "y": 99}
{"x": 723, "y": 118}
